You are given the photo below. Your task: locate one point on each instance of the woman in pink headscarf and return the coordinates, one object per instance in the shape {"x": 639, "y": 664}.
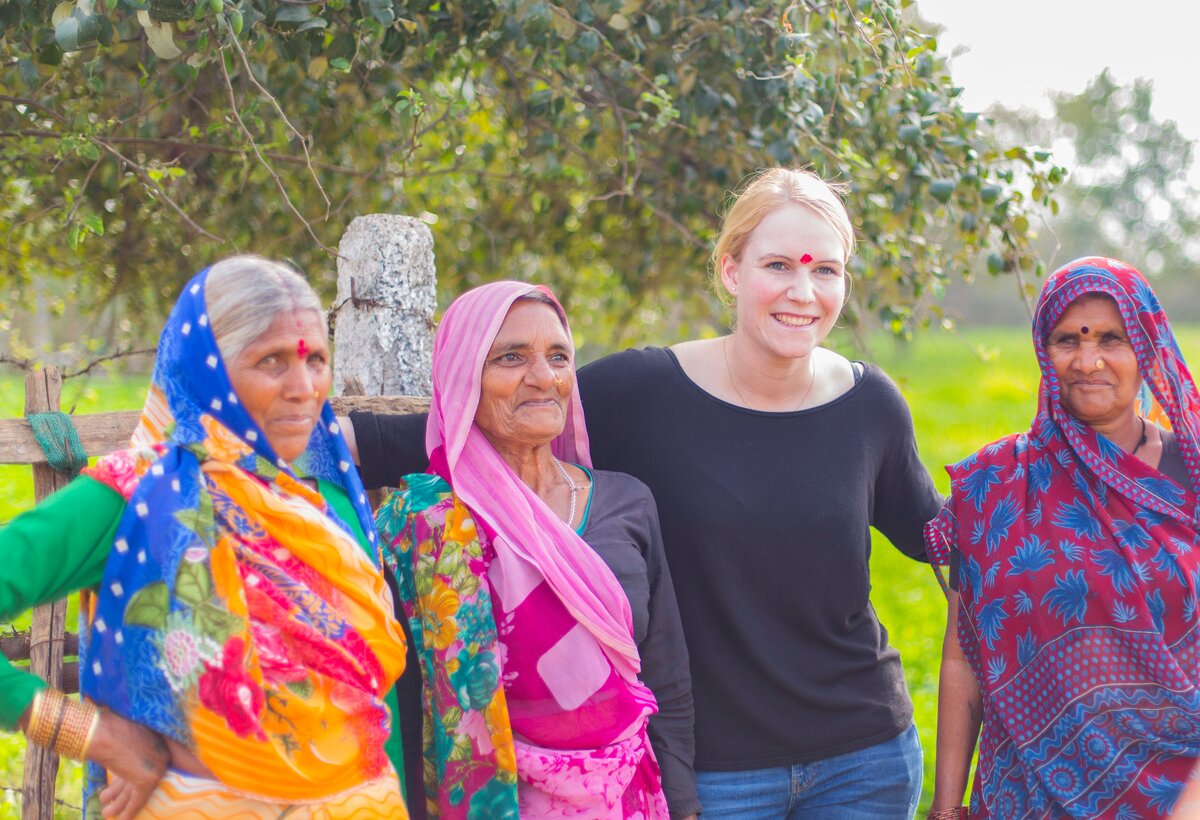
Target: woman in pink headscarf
{"x": 529, "y": 581}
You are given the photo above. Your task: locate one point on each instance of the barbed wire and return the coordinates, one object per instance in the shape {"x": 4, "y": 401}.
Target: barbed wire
{"x": 27, "y": 365}
{"x": 13, "y": 790}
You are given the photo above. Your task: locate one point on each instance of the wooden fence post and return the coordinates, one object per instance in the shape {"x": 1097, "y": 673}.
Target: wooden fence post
{"x": 42, "y": 392}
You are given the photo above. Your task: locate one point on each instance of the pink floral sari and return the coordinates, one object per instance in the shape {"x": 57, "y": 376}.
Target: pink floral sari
{"x": 531, "y": 689}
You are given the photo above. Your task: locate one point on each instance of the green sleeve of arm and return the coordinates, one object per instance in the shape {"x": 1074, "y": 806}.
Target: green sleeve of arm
{"x": 341, "y": 504}
{"x": 56, "y": 548}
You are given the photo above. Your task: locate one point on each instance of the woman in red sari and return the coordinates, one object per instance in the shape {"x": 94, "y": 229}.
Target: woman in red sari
{"x": 1074, "y": 627}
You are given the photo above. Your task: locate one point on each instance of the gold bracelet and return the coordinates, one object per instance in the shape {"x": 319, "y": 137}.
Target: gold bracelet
{"x": 91, "y": 733}
{"x": 78, "y": 726}
{"x": 35, "y": 711}
{"x": 956, "y": 813}
{"x": 41, "y": 718}
{"x": 58, "y": 720}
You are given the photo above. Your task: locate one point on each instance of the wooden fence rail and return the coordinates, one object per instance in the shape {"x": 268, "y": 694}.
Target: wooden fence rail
{"x": 47, "y": 644}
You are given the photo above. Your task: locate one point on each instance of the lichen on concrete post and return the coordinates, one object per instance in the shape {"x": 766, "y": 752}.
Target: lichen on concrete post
{"x": 387, "y": 291}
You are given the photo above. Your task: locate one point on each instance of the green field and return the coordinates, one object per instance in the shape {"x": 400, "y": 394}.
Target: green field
{"x": 964, "y": 391}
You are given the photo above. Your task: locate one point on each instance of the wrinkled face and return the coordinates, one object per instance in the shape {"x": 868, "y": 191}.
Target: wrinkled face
{"x": 283, "y": 382}
{"x": 527, "y": 379}
{"x": 1091, "y": 331}
{"x": 789, "y": 282}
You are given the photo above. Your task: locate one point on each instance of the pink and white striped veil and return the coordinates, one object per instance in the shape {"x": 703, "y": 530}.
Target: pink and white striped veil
{"x": 531, "y": 541}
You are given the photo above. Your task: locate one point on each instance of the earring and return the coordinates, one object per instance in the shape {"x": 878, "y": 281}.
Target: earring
{"x": 1099, "y": 364}
{"x": 316, "y": 394}
{"x": 732, "y": 290}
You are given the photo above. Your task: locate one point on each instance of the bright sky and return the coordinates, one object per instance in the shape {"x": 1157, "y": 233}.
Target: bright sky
{"x": 1017, "y": 51}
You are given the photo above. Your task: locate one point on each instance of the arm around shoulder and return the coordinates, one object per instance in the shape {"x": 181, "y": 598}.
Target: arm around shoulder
{"x": 905, "y": 498}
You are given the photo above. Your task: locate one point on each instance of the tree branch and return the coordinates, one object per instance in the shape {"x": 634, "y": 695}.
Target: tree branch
{"x": 237, "y": 115}
{"x": 304, "y": 139}
{"x": 158, "y": 189}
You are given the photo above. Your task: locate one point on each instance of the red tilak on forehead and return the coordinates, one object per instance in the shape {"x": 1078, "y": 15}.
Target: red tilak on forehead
{"x": 804, "y": 260}
{"x": 1084, "y": 329}
{"x": 302, "y": 349}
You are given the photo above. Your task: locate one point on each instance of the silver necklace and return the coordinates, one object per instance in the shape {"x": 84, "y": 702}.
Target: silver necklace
{"x": 812, "y": 378}
{"x": 575, "y": 488}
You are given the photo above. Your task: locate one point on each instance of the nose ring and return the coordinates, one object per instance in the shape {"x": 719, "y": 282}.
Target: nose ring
{"x": 558, "y": 382}
{"x": 1099, "y": 364}
{"x": 316, "y": 394}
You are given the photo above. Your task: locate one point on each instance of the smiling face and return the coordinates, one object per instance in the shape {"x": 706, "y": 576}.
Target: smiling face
{"x": 283, "y": 383}
{"x": 527, "y": 379}
{"x": 789, "y": 282}
{"x": 1091, "y": 330}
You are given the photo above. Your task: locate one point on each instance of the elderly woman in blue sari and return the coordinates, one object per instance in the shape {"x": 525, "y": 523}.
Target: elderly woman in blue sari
{"x": 1074, "y": 629}
{"x": 240, "y": 639}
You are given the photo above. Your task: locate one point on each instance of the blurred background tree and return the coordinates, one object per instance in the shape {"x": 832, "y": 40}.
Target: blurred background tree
{"x": 1128, "y": 194}
{"x": 589, "y": 144}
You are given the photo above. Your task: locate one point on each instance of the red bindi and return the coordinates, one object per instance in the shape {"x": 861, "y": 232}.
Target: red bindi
{"x": 302, "y": 349}
{"x": 1084, "y": 329}
{"x": 804, "y": 260}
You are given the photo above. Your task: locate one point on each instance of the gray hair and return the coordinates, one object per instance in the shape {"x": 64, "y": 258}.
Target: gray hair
{"x": 243, "y": 295}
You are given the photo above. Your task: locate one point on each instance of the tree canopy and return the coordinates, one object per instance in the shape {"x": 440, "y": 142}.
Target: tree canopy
{"x": 589, "y": 144}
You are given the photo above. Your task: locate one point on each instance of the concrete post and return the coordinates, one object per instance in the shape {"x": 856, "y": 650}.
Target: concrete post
{"x": 387, "y": 291}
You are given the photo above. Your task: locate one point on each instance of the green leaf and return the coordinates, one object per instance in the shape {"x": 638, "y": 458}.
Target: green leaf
{"x": 28, "y": 72}
{"x": 380, "y": 10}
{"x": 942, "y": 189}
{"x": 303, "y": 689}
{"x": 148, "y": 607}
{"x": 169, "y": 11}
{"x": 293, "y": 14}
{"x": 314, "y": 23}
{"x": 193, "y": 582}
{"x": 216, "y": 623}
{"x": 462, "y": 749}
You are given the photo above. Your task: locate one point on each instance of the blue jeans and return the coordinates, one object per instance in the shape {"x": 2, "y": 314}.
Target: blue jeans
{"x": 881, "y": 782}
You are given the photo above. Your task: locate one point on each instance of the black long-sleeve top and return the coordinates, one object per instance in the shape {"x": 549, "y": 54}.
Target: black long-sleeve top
{"x": 766, "y": 523}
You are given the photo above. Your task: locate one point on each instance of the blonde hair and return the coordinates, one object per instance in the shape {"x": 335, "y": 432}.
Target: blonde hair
{"x": 767, "y": 191}
{"x": 243, "y": 295}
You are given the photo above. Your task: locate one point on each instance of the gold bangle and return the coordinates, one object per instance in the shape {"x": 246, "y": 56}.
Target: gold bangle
{"x": 956, "y": 813}
{"x": 91, "y": 733}
{"x": 35, "y": 710}
{"x": 61, "y": 713}
{"x": 41, "y": 718}
{"x": 78, "y": 726}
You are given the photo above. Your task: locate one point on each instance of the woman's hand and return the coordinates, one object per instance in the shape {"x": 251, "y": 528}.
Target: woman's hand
{"x": 135, "y": 757}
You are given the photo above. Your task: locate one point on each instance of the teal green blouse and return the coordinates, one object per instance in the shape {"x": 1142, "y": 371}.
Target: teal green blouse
{"x": 61, "y": 545}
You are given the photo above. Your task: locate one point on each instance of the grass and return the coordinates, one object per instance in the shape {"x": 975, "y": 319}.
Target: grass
{"x": 964, "y": 391}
